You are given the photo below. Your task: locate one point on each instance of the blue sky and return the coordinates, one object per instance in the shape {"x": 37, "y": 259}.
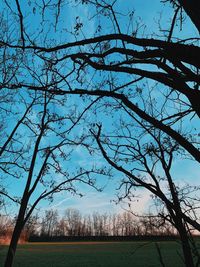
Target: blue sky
{"x": 148, "y": 15}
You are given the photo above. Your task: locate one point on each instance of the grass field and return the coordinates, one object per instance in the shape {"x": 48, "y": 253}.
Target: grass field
{"x": 98, "y": 254}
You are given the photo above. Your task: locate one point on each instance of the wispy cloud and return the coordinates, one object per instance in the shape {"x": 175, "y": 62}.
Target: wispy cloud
{"x": 100, "y": 202}
{"x": 91, "y": 202}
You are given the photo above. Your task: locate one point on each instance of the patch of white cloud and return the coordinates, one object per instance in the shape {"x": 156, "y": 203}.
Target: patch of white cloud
{"x": 103, "y": 202}
{"x": 91, "y": 202}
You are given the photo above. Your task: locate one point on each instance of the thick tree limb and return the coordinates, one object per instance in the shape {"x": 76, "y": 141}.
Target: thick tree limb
{"x": 192, "y": 8}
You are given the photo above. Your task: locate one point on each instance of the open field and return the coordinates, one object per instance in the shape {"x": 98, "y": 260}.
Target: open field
{"x": 98, "y": 254}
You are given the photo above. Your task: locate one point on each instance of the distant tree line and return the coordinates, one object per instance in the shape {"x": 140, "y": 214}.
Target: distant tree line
{"x": 75, "y": 224}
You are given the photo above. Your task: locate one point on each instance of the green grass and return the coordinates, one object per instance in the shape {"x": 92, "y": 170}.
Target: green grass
{"x": 110, "y": 254}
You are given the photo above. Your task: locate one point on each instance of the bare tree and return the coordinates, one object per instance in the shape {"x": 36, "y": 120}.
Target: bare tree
{"x": 31, "y": 227}
{"x": 122, "y": 64}
{"x": 39, "y": 161}
{"x": 177, "y": 72}
{"x": 74, "y": 224}
{"x": 5, "y": 228}
{"x": 138, "y": 161}
{"x": 73, "y": 220}
{"x": 49, "y": 223}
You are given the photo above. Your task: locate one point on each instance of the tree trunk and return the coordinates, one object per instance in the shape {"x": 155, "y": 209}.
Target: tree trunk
{"x": 192, "y": 8}
{"x": 189, "y": 262}
{"x": 187, "y": 253}
{"x": 179, "y": 222}
{"x": 16, "y": 233}
{"x": 13, "y": 243}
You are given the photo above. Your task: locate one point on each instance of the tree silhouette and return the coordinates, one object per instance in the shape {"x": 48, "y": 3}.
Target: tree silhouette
{"x": 154, "y": 77}
{"x": 36, "y": 153}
